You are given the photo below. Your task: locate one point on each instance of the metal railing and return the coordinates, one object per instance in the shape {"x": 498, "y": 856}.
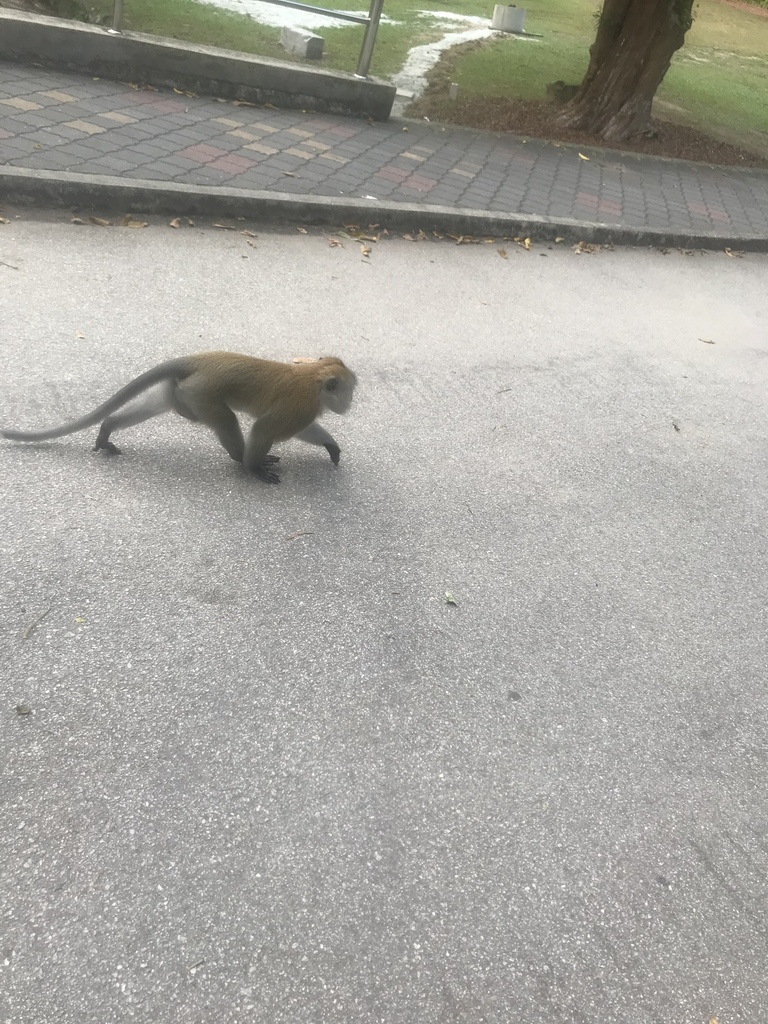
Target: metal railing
{"x": 371, "y": 23}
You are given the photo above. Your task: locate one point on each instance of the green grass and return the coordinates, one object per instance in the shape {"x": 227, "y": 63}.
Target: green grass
{"x": 202, "y": 23}
{"x": 718, "y": 82}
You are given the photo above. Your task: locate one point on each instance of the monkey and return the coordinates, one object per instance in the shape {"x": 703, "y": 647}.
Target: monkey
{"x": 560, "y": 92}
{"x": 284, "y": 400}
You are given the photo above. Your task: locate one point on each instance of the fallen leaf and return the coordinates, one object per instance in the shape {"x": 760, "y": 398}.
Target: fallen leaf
{"x": 270, "y": 106}
{"x": 249, "y": 234}
{"x": 583, "y": 157}
{"x": 290, "y": 174}
{"x": 190, "y": 222}
{"x": 676, "y": 426}
{"x": 79, "y": 334}
{"x": 300, "y": 533}
{"x": 100, "y": 222}
{"x": 335, "y": 243}
{"x": 712, "y": 1020}
{"x": 734, "y": 254}
{"x": 251, "y": 243}
{"x": 408, "y": 238}
{"x": 302, "y": 231}
{"x": 664, "y": 252}
{"x": 559, "y": 238}
{"x": 707, "y": 341}
{"x": 449, "y": 598}
{"x": 175, "y": 223}
{"x": 4, "y": 220}
{"x": 23, "y": 709}
{"x": 405, "y": 129}
{"x": 242, "y": 103}
{"x": 225, "y": 227}
{"x": 129, "y": 223}
{"x": 365, "y": 250}
{"x": 503, "y": 254}
{"x": 588, "y": 247}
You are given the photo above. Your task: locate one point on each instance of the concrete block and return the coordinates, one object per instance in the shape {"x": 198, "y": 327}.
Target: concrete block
{"x": 301, "y": 42}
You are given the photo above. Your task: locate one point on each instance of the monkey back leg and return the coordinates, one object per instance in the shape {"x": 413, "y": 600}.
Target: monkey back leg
{"x": 154, "y": 404}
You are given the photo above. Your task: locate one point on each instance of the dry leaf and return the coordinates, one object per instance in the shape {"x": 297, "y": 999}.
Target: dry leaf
{"x": 79, "y": 334}
{"x": 559, "y": 238}
{"x": 175, "y": 223}
{"x": 135, "y": 224}
{"x": 449, "y": 598}
{"x": 290, "y": 174}
{"x": 365, "y": 250}
{"x": 676, "y": 426}
{"x": 583, "y": 157}
{"x": 503, "y": 254}
{"x": 242, "y": 103}
{"x": 249, "y": 234}
{"x": 733, "y": 253}
{"x": 23, "y": 709}
{"x": 707, "y": 341}
{"x": 589, "y": 247}
{"x": 190, "y": 222}
{"x": 4, "y": 220}
{"x": 225, "y": 227}
{"x": 405, "y": 129}
{"x": 100, "y": 222}
{"x": 408, "y": 238}
{"x": 335, "y": 243}
{"x": 251, "y": 243}
{"x": 269, "y": 106}
{"x": 712, "y": 1020}
{"x": 302, "y": 231}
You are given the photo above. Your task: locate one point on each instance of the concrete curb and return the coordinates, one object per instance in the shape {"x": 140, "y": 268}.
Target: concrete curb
{"x": 54, "y": 189}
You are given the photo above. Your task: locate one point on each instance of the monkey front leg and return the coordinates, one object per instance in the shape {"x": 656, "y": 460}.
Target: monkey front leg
{"x": 315, "y": 434}
{"x": 256, "y": 458}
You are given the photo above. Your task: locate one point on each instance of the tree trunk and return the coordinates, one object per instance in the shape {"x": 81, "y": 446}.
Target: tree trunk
{"x": 632, "y": 51}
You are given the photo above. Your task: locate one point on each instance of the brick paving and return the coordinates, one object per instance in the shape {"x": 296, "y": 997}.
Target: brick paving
{"x": 67, "y": 122}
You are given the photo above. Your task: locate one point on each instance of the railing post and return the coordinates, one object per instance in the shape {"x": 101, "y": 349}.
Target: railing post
{"x": 117, "y": 16}
{"x": 369, "y": 38}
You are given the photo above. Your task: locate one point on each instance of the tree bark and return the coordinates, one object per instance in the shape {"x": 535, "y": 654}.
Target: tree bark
{"x": 633, "y": 48}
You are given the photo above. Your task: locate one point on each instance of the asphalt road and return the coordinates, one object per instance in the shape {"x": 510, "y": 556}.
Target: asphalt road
{"x": 269, "y": 773}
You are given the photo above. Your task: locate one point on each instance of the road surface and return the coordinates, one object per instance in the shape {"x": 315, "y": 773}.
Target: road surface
{"x": 256, "y": 767}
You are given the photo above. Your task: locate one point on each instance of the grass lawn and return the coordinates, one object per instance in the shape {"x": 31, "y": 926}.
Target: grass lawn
{"x": 202, "y": 23}
{"x": 718, "y": 82}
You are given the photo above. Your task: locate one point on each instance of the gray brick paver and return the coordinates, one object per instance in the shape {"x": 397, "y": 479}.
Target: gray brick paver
{"x": 498, "y": 172}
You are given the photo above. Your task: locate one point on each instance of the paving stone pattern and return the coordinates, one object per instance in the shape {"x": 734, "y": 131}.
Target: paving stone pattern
{"x": 71, "y": 122}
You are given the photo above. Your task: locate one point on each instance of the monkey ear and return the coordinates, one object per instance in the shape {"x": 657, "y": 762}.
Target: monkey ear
{"x": 332, "y": 384}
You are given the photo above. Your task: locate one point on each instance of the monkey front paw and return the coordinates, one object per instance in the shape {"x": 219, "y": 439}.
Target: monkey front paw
{"x": 107, "y": 446}
{"x": 335, "y": 452}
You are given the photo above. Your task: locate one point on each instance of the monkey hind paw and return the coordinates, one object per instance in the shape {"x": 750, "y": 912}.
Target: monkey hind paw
{"x": 269, "y": 476}
{"x": 107, "y": 446}
{"x": 335, "y": 452}
{"x": 270, "y": 460}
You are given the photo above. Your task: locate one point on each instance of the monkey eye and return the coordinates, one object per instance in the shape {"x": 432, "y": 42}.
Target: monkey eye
{"x": 332, "y": 384}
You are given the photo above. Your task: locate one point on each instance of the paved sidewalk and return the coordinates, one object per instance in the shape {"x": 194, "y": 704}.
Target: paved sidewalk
{"x": 69, "y": 123}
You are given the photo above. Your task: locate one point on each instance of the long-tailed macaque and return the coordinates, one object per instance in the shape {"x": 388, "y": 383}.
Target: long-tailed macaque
{"x": 284, "y": 399}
